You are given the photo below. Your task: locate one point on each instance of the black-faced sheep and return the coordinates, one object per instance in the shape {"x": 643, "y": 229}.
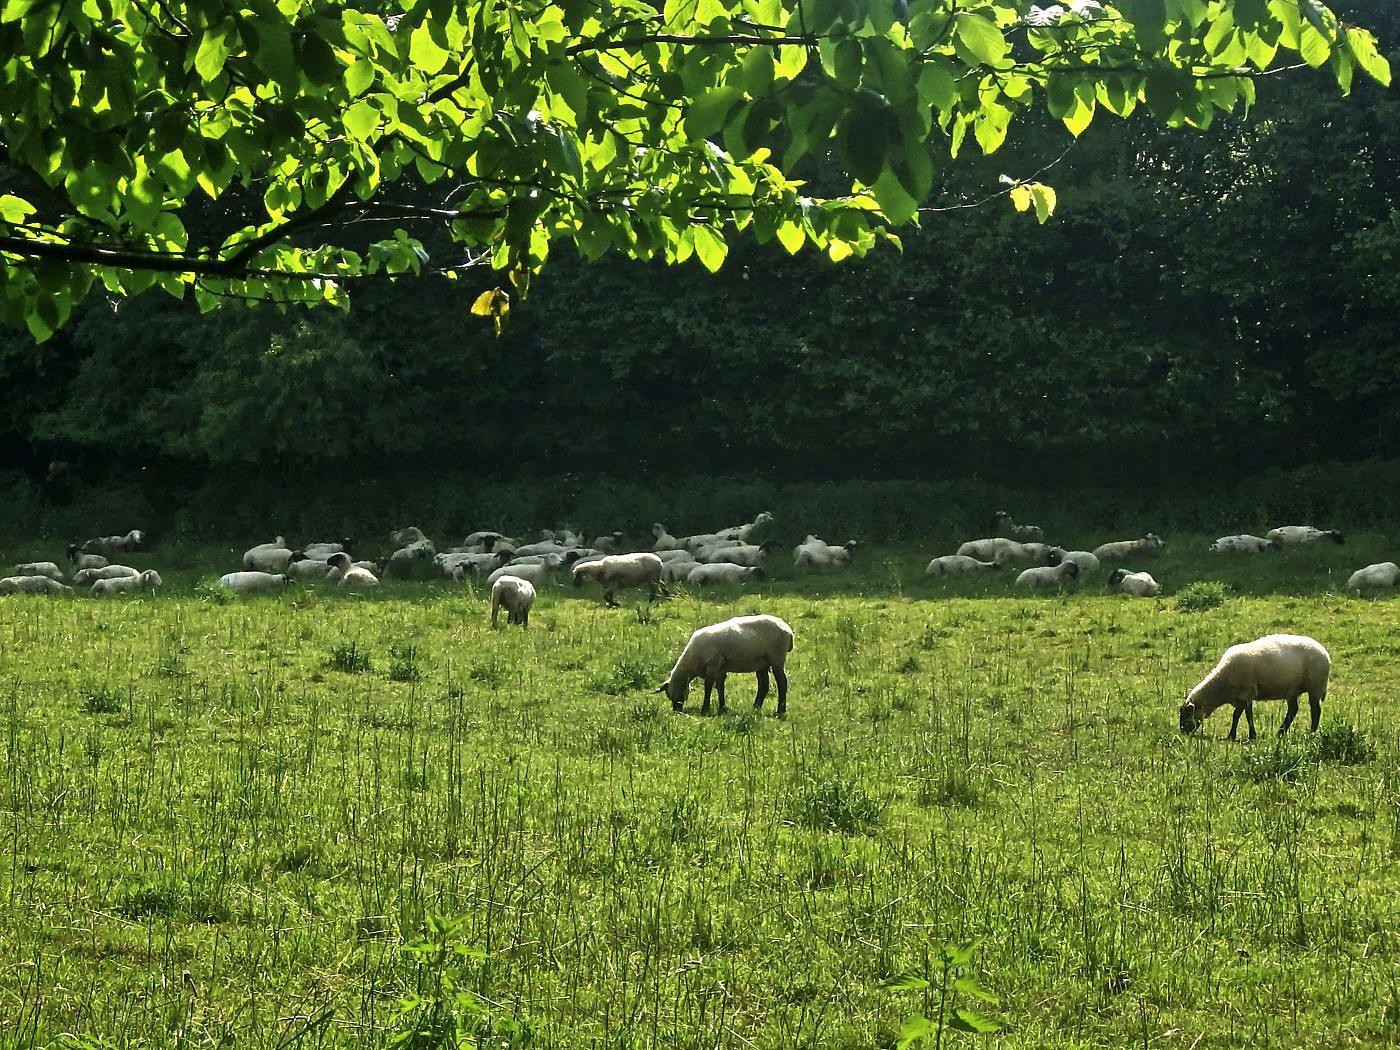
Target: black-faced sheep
{"x": 1138, "y": 584}
{"x": 1007, "y": 527}
{"x": 253, "y": 581}
{"x": 1243, "y": 543}
{"x": 1045, "y": 576}
{"x": 950, "y": 563}
{"x": 1296, "y": 535}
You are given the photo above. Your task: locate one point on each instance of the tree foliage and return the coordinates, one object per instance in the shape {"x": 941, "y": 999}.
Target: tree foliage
{"x": 659, "y": 131}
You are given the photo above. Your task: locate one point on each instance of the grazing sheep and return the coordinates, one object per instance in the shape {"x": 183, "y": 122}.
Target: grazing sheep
{"x": 1007, "y": 527}
{"x": 80, "y": 560}
{"x": 621, "y": 570}
{"x": 816, "y": 553}
{"x": 87, "y": 577}
{"x": 664, "y": 540}
{"x": 253, "y": 581}
{"x": 745, "y": 644}
{"x": 959, "y": 563}
{"x": 539, "y": 574}
{"x": 1275, "y": 667}
{"x": 676, "y": 571}
{"x": 1084, "y": 559}
{"x": 147, "y": 581}
{"x": 39, "y": 568}
{"x": 1120, "y": 549}
{"x": 1244, "y": 544}
{"x": 1296, "y": 535}
{"x": 302, "y": 567}
{"x": 1045, "y": 576}
{"x": 33, "y": 585}
{"x": 267, "y": 559}
{"x": 406, "y": 537}
{"x": 722, "y": 572}
{"x": 132, "y": 541}
{"x": 744, "y": 554}
{"x": 1139, "y": 584}
{"x": 515, "y": 596}
{"x": 609, "y": 544}
{"x": 1382, "y": 574}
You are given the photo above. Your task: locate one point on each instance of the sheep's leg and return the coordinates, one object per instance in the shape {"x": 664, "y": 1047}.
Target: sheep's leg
{"x": 781, "y": 676}
{"x": 720, "y": 686}
{"x": 1235, "y": 722}
{"x": 762, "y": 688}
{"x": 1249, "y": 717}
{"x": 525, "y": 618}
{"x": 1288, "y": 717}
{"x": 1315, "y": 708}
{"x": 709, "y": 685}
{"x": 653, "y": 589}
{"x": 611, "y": 601}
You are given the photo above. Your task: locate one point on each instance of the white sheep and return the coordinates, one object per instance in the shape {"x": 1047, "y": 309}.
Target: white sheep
{"x": 133, "y": 540}
{"x": 539, "y": 573}
{"x": 457, "y": 564}
{"x": 675, "y": 555}
{"x": 543, "y": 547}
{"x": 39, "y": 568}
{"x": 1084, "y": 559}
{"x": 998, "y": 549}
{"x": 516, "y": 596}
{"x": 1138, "y": 584}
{"x": 351, "y": 575}
{"x": 745, "y": 644}
{"x": 33, "y": 585}
{"x": 564, "y": 537}
{"x": 704, "y": 575}
{"x": 1120, "y": 549}
{"x": 485, "y": 543}
{"x": 1045, "y": 576}
{"x": 87, "y": 577}
{"x": 267, "y": 559}
{"x": 609, "y": 544}
{"x": 414, "y": 561}
{"x": 277, "y": 543}
{"x": 1381, "y": 574}
{"x": 747, "y": 554}
{"x": 1007, "y": 527}
{"x": 321, "y": 551}
{"x": 405, "y": 537}
{"x": 676, "y": 571}
{"x": 1275, "y": 667}
{"x": 664, "y": 540}
{"x": 81, "y": 560}
{"x": 253, "y": 581}
{"x": 743, "y": 532}
{"x": 1244, "y": 543}
{"x": 1044, "y": 553}
{"x": 147, "y": 581}
{"x": 816, "y": 553}
{"x": 1295, "y": 535}
{"x": 621, "y": 570}
{"x": 302, "y": 567}
{"x": 949, "y": 563}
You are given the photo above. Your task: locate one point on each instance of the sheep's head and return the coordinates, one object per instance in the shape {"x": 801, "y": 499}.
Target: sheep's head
{"x": 1190, "y": 717}
{"x": 339, "y": 561}
{"x": 658, "y": 530}
{"x": 763, "y": 518}
{"x": 1070, "y": 569}
{"x": 1153, "y": 542}
{"x": 1053, "y": 557}
{"x": 1117, "y": 576}
{"x": 1274, "y": 545}
{"x": 137, "y": 537}
{"x": 72, "y": 551}
{"x": 675, "y": 692}
{"x": 1001, "y": 516}
{"x": 348, "y": 544}
{"x": 758, "y": 574}
{"x": 150, "y": 578}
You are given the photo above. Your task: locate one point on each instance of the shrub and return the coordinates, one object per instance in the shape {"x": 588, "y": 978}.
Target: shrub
{"x": 1341, "y": 743}
{"x": 1201, "y": 596}
{"x": 349, "y": 658}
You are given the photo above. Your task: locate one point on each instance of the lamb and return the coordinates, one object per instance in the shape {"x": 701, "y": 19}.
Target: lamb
{"x": 267, "y": 559}
{"x": 348, "y": 574}
{"x": 1120, "y": 549}
{"x": 33, "y": 585}
{"x": 406, "y": 537}
{"x": 1007, "y": 527}
{"x": 1084, "y": 559}
{"x": 677, "y": 571}
{"x": 1139, "y": 584}
{"x": 609, "y": 544}
{"x": 815, "y": 553}
{"x": 757, "y": 644}
{"x": 39, "y": 568}
{"x": 722, "y": 572}
{"x": 621, "y": 570}
{"x": 1045, "y": 576}
{"x": 539, "y": 574}
{"x": 515, "y": 596}
{"x": 147, "y": 581}
{"x": 1244, "y": 544}
{"x": 664, "y": 540}
{"x": 87, "y": 577}
{"x": 1382, "y": 574}
{"x": 1296, "y": 535}
{"x": 1275, "y": 667}
{"x": 744, "y": 554}
{"x": 80, "y": 560}
{"x": 132, "y": 541}
{"x": 253, "y": 581}
{"x": 959, "y": 563}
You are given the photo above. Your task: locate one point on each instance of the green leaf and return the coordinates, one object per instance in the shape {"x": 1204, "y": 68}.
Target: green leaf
{"x": 894, "y": 199}
{"x": 915, "y": 1029}
{"x": 969, "y": 986}
{"x": 1314, "y": 47}
{"x": 359, "y": 75}
{"x": 1362, "y": 46}
{"x": 213, "y": 51}
{"x": 1079, "y": 117}
{"x": 758, "y": 71}
{"x": 936, "y": 86}
{"x": 965, "y": 1020}
{"x": 980, "y": 37}
{"x": 14, "y": 209}
{"x": 274, "y": 50}
{"x": 907, "y": 982}
{"x": 361, "y": 119}
{"x": 706, "y": 115}
{"x": 424, "y": 52}
{"x": 710, "y": 247}
{"x": 791, "y": 236}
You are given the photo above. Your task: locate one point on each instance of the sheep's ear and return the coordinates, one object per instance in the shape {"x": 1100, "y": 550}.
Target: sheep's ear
{"x": 664, "y": 686}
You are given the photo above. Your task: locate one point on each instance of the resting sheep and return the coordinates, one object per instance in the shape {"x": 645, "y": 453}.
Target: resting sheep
{"x": 1120, "y": 549}
{"x": 302, "y": 567}
{"x": 743, "y": 532}
{"x": 1138, "y": 584}
{"x": 609, "y": 544}
{"x": 87, "y": 577}
{"x": 998, "y": 549}
{"x": 405, "y": 537}
{"x": 252, "y": 581}
{"x": 1007, "y": 527}
{"x": 816, "y": 553}
{"x": 621, "y": 570}
{"x": 1084, "y": 559}
{"x": 1276, "y": 667}
{"x": 322, "y": 551}
{"x": 147, "y": 581}
{"x": 352, "y": 576}
{"x": 81, "y": 561}
{"x": 1296, "y": 535}
{"x": 267, "y": 559}
{"x": 133, "y": 540}
{"x": 1244, "y": 544}
{"x": 538, "y": 573}
{"x": 757, "y": 644}
{"x": 515, "y": 596}
{"x": 1382, "y": 574}
{"x": 677, "y": 570}
{"x": 664, "y": 540}
{"x": 39, "y": 568}
{"x": 747, "y": 554}
{"x": 414, "y": 561}
{"x": 33, "y": 585}
{"x": 959, "y": 563}
{"x": 1046, "y": 576}
{"x": 703, "y": 575}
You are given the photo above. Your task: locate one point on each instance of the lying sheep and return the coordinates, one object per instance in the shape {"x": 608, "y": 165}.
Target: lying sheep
{"x": 1139, "y": 584}
{"x": 722, "y": 572}
{"x": 87, "y": 577}
{"x": 674, "y": 555}
{"x": 39, "y": 568}
{"x": 621, "y": 570}
{"x": 33, "y": 585}
{"x": 1296, "y": 535}
{"x": 564, "y": 537}
{"x": 322, "y": 551}
{"x": 539, "y": 574}
{"x": 147, "y": 581}
{"x": 664, "y": 540}
{"x": 458, "y": 564}
{"x": 745, "y": 644}
{"x": 485, "y": 543}
{"x": 278, "y": 543}
{"x": 132, "y": 541}
{"x": 744, "y": 554}
{"x": 998, "y": 549}
{"x": 816, "y": 553}
{"x": 959, "y": 563}
{"x": 352, "y": 576}
{"x": 743, "y": 532}
{"x": 609, "y": 544}
{"x": 1382, "y": 574}
{"x": 253, "y": 581}
{"x": 405, "y": 537}
{"x": 1084, "y": 559}
{"x": 1276, "y": 667}
{"x": 527, "y": 550}
{"x": 1120, "y": 549}
{"x": 1244, "y": 544}
{"x": 1045, "y": 576}
{"x": 303, "y": 568}
{"x": 515, "y": 595}
{"x": 80, "y": 560}
{"x": 1008, "y": 527}
{"x": 1044, "y": 553}
{"x": 414, "y": 561}
{"x": 677, "y": 571}
{"x": 267, "y": 559}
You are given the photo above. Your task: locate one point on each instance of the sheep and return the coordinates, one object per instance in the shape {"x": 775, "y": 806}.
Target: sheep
{"x": 39, "y": 568}
{"x": 267, "y": 559}
{"x": 485, "y": 543}
{"x": 1382, "y": 574}
{"x": 1120, "y": 549}
{"x": 756, "y": 644}
{"x": 515, "y": 595}
{"x": 1084, "y": 559}
{"x": 322, "y": 551}
{"x": 1275, "y": 667}
{"x": 414, "y": 561}
{"x": 457, "y": 564}
{"x": 698, "y": 542}
{"x": 348, "y": 574}
{"x": 147, "y": 581}
{"x": 745, "y": 554}
{"x": 565, "y": 537}
{"x": 609, "y": 544}
{"x": 544, "y": 547}
{"x": 1139, "y": 584}
{"x": 132, "y": 541}
{"x": 406, "y": 537}
{"x": 815, "y": 553}
{"x": 253, "y": 581}
{"x": 80, "y": 560}
{"x": 621, "y": 570}
{"x": 674, "y": 555}
{"x": 87, "y": 577}
{"x": 302, "y": 567}
{"x": 743, "y": 532}
{"x": 677, "y": 571}
{"x": 959, "y": 563}
{"x": 1296, "y": 535}
{"x": 664, "y": 540}
{"x": 702, "y": 575}
{"x": 33, "y": 585}
{"x": 1045, "y": 576}
{"x": 539, "y": 574}
{"x": 1044, "y": 553}
{"x": 1244, "y": 544}
{"x": 1008, "y": 527}
{"x": 999, "y": 549}
{"x": 277, "y": 543}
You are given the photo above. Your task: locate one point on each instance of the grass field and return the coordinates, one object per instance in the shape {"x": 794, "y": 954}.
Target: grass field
{"x": 221, "y": 822}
